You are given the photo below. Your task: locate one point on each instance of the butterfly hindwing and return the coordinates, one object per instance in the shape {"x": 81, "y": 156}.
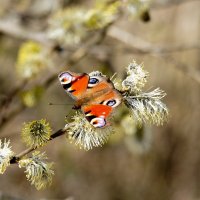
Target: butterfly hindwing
{"x": 96, "y": 114}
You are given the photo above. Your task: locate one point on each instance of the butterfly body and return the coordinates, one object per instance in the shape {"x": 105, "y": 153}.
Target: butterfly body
{"x": 93, "y": 93}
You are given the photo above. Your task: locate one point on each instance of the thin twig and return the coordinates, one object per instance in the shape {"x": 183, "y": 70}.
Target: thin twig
{"x": 194, "y": 75}
{"x": 15, "y": 159}
{"x": 143, "y": 46}
{"x": 14, "y": 29}
{"x": 8, "y": 97}
{"x": 11, "y": 115}
{"x": 169, "y": 4}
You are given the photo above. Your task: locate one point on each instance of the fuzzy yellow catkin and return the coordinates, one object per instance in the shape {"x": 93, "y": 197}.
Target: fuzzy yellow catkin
{"x": 83, "y": 134}
{"x": 5, "y": 155}
{"x": 38, "y": 172}
{"x": 31, "y": 60}
{"x": 36, "y": 133}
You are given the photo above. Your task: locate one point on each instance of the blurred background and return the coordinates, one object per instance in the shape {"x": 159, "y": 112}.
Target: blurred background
{"x": 40, "y": 38}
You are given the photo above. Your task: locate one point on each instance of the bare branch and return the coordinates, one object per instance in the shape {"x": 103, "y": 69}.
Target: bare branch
{"x": 141, "y": 46}
{"x": 167, "y": 4}
{"x": 16, "y": 158}
{"x": 14, "y": 29}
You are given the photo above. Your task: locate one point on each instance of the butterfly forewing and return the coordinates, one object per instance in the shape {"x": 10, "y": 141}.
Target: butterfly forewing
{"x": 74, "y": 84}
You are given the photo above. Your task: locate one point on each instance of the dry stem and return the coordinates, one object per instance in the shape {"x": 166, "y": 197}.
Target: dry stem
{"x": 15, "y": 159}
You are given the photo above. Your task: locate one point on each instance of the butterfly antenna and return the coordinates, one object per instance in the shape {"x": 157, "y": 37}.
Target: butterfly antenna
{"x": 59, "y": 104}
{"x": 68, "y": 114}
{"x": 63, "y": 104}
{"x": 113, "y": 76}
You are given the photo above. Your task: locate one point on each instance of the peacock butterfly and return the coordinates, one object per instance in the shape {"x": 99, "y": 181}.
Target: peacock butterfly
{"x": 93, "y": 93}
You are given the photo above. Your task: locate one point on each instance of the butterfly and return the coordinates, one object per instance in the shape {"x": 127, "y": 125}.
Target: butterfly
{"x": 93, "y": 93}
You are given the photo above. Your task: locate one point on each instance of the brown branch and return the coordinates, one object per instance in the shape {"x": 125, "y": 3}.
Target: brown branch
{"x": 142, "y": 46}
{"x": 16, "y": 159}
{"x": 194, "y": 75}
{"x": 11, "y": 115}
{"x": 169, "y": 4}
{"x": 9, "y": 97}
{"x": 13, "y": 28}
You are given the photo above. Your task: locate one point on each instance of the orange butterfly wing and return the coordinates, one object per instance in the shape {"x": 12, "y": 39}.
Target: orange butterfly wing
{"x": 96, "y": 114}
{"x": 97, "y": 110}
{"x": 74, "y": 84}
{"x": 104, "y": 98}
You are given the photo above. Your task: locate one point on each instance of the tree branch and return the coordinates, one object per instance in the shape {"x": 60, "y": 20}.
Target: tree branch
{"x": 16, "y": 159}
{"x": 13, "y": 28}
{"x": 141, "y": 46}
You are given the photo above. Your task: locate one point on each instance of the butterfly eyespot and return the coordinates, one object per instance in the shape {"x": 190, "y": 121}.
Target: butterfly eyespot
{"x": 93, "y": 81}
{"x": 111, "y": 102}
{"x": 65, "y": 78}
{"x": 98, "y": 122}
